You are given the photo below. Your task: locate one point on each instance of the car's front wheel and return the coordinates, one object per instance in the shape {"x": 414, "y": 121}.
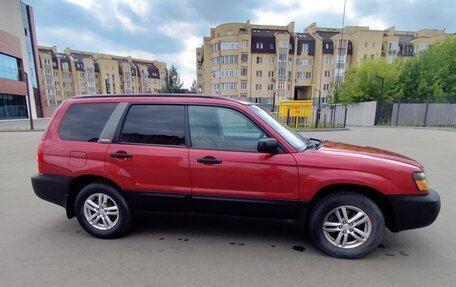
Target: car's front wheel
{"x": 102, "y": 211}
{"x": 346, "y": 225}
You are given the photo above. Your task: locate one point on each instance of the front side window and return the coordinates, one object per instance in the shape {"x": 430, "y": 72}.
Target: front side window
{"x": 292, "y": 137}
{"x": 85, "y": 122}
{"x": 154, "y": 124}
{"x": 222, "y": 129}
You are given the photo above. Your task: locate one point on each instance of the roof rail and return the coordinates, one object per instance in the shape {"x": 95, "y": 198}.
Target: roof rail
{"x": 164, "y": 95}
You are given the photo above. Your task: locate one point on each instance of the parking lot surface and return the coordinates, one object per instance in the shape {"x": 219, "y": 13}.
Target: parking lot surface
{"x": 39, "y": 246}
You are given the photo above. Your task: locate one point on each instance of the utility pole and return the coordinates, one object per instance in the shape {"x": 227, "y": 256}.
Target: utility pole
{"x": 379, "y": 99}
{"x": 28, "y": 99}
{"x": 317, "y": 121}
{"x": 339, "y": 53}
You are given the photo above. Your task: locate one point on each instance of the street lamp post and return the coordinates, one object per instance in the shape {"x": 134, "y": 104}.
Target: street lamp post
{"x": 317, "y": 121}
{"x": 29, "y": 104}
{"x": 379, "y": 99}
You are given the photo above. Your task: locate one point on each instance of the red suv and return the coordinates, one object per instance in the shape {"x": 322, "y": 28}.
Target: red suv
{"x": 103, "y": 158}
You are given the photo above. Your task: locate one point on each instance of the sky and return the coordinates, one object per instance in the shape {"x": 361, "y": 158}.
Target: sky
{"x": 170, "y": 30}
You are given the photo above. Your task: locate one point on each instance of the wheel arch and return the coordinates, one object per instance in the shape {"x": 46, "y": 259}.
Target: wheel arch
{"x": 376, "y": 196}
{"x": 79, "y": 182}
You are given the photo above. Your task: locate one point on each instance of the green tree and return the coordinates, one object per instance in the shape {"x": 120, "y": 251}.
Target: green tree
{"x": 173, "y": 82}
{"x": 433, "y": 72}
{"x": 363, "y": 82}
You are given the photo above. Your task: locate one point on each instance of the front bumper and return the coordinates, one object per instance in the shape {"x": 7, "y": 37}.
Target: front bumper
{"x": 414, "y": 211}
{"x": 52, "y": 187}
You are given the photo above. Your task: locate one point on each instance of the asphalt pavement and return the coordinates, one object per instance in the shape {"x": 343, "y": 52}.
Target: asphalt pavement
{"x": 39, "y": 246}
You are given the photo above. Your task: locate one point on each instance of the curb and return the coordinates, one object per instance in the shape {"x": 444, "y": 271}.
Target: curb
{"x": 322, "y": 130}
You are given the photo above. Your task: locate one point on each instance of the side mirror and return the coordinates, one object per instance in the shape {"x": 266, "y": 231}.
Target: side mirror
{"x": 268, "y": 145}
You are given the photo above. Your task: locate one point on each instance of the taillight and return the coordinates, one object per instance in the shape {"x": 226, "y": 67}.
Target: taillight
{"x": 40, "y": 158}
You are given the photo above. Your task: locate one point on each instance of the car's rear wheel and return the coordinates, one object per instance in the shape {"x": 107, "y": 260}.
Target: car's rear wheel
{"x": 103, "y": 211}
{"x": 346, "y": 225}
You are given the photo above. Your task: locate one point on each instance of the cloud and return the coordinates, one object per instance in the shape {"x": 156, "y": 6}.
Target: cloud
{"x": 170, "y": 30}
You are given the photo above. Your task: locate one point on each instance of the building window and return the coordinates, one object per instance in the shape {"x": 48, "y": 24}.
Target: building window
{"x": 229, "y": 46}
{"x": 284, "y": 44}
{"x": 259, "y": 60}
{"x": 303, "y": 75}
{"x": 305, "y": 47}
{"x": 259, "y": 45}
{"x": 282, "y": 58}
{"x": 327, "y": 74}
{"x": 258, "y": 87}
{"x": 9, "y": 68}
{"x": 326, "y": 87}
{"x": 270, "y": 87}
{"x": 12, "y": 107}
{"x": 271, "y": 60}
{"x": 341, "y": 59}
{"x": 372, "y": 56}
{"x": 365, "y": 45}
{"x": 304, "y": 62}
{"x": 271, "y": 46}
{"x": 244, "y": 58}
{"x": 243, "y": 71}
{"x": 329, "y": 59}
{"x": 244, "y": 44}
{"x": 259, "y": 74}
{"x": 243, "y": 85}
{"x": 215, "y": 47}
{"x": 271, "y": 74}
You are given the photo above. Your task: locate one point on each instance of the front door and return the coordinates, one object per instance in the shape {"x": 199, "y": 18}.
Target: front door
{"x": 229, "y": 175}
{"x": 151, "y": 158}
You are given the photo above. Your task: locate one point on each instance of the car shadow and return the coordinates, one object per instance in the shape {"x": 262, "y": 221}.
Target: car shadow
{"x": 217, "y": 227}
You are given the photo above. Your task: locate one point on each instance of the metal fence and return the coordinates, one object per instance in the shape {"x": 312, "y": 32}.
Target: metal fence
{"x": 423, "y": 114}
{"x": 306, "y": 116}
{"x": 413, "y": 113}
{"x": 330, "y": 116}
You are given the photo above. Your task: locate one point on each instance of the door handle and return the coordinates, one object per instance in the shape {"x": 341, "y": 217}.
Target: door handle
{"x": 121, "y": 154}
{"x": 209, "y": 160}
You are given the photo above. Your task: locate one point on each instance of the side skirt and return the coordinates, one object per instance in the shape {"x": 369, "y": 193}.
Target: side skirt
{"x": 238, "y": 206}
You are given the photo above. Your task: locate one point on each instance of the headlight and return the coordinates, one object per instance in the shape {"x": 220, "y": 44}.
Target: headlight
{"x": 421, "y": 181}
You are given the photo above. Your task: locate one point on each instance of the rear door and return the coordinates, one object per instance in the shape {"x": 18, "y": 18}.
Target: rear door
{"x": 150, "y": 156}
{"x": 71, "y": 147}
{"x": 229, "y": 175}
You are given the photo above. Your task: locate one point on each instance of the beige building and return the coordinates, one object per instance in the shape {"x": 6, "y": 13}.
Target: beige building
{"x": 84, "y": 73}
{"x": 266, "y": 64}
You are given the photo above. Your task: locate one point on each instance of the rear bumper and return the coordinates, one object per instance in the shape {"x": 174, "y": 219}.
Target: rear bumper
{"x": 414, "y": 211}
{"x": 52, "y": 187}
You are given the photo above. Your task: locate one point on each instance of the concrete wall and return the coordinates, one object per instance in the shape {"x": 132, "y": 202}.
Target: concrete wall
{"x": 361, "y": 114}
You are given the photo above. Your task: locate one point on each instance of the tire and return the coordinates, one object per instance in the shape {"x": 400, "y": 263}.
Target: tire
{"x": 112, "y": 220}
{"x": 336, "y": 236}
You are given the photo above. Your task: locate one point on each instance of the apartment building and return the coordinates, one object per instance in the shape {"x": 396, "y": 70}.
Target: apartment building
{"x": 21, "y": 93}
{"x": 266, "y": 64}
{"x": 85, "y": 73}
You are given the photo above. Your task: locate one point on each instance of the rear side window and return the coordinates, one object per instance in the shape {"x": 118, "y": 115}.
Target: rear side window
{"x": 85, "y": 122}
{"x": 154, "y": 124}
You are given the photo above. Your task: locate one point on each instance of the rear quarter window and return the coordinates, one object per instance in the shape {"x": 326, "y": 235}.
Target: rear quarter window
{"x": 85, "y": 122}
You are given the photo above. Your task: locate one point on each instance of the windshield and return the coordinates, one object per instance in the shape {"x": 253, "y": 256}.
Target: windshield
{"x": 299, "y": 142}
